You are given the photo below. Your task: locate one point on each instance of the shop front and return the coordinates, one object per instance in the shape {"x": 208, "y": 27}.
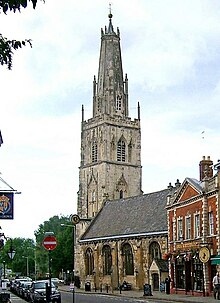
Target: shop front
{"x": 187, "y": 274}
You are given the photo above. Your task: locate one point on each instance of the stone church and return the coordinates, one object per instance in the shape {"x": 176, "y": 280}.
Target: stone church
{"x": 123, "y": 234}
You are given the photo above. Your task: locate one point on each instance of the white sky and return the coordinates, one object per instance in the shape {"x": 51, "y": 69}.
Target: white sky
{"x": 171, "y": 53}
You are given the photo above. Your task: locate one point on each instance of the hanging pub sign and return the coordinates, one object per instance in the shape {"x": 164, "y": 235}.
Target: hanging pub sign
{"x": 6, "y": 205}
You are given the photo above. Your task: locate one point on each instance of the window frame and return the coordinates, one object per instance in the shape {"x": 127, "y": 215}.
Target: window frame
{"x": 188, "y": 227}
{"x": 107, "y": 260}
{"x": 94, "y": 151}
{"x": 180, "y": 229}
{"x": 197, "y": 225}
{"x": 128, "y": 259}
{"x": 121, "y": 151}
{"x": 211, "y": 223}
{"x": 89, "y": 262}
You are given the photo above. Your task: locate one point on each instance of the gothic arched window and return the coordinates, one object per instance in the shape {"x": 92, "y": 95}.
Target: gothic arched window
{"x": 89, "y": 262}
{"x": 107, "y": 260}
{"x": 154, "y": 250}
{"x": 128, "y": 259}
{"x": 121, "y": 151}
{"x": 94, "y": 151}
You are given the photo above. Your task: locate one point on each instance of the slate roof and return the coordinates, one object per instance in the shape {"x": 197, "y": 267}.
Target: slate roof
{"x": 162, "y": 265}
{"x": 134, "y": 216}
{"x": 197, "y": 184}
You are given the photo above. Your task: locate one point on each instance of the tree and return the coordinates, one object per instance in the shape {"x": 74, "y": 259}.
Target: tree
{"x": 8, "y": 46}
{"x": 23, "y": 253}
{"x": 32, "y": 253}
{"x": 62, "y": 258}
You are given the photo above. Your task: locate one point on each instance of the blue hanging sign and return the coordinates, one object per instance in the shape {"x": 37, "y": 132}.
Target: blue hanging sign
{"x": 6, "y": 205}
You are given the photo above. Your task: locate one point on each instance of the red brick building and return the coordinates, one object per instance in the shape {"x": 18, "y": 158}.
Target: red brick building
{"x": 194, "y": 231}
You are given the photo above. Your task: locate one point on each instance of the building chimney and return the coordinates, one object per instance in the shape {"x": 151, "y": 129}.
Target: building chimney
{"x": 170, "y": 186}
{"x": 177, "y": 184}
{"x": 205, "y": 168}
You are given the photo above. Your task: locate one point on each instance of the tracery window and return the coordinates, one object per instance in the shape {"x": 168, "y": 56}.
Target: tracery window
{"x": 121, "y": 150}
{"x": 94, "y": 151}
{"x": 128, "y": 259}
{"x": 154, "y": 250}
{"x": 107, "y": 260}
{"x": 89, "y": 262}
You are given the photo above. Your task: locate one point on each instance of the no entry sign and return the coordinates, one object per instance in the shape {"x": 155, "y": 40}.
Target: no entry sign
{"x": 50, "y": 242}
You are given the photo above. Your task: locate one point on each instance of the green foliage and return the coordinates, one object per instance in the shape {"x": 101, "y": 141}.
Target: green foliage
{"x": 8, "y": 46}
{"x": 37, "y": 257}
{"x": 15, "y": 5}
{"x": 62, "y": 255}
{"x": 24, "y": 249}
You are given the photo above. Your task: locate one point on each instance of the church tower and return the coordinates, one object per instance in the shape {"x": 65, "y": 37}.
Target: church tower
{"x": 110, "y": 165}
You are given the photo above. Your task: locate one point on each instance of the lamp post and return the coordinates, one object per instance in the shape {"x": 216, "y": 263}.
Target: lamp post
{"x": 49, "y": 244}
{"x": 73, "y": 252}
{"x": 74, "y": 219}
{"x": 27, "y": 265}
{"x": 11, "y": 252}
{"x": 33, "y": 250}
{"x": 4, "y": 269}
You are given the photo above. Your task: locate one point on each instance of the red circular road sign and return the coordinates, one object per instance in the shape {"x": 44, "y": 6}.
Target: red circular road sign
{"x": 50, "y": 242}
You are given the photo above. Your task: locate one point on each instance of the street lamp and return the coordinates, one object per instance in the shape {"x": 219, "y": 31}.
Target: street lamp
{"x": 27, "y": 265}
{"x": 4, "y": 268}
{"x": 35, "y": 260}
{"x": 73, "y": 247}
{"x": 11, "y": 252}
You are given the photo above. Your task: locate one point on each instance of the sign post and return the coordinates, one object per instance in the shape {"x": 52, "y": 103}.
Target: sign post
{"x": 49, "y": 243}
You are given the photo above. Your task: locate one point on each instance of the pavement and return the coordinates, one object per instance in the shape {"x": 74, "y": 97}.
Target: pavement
{"x": 156, "y": 295}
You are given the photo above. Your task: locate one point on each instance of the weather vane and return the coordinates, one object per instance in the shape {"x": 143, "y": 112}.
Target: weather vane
{"x": 110, "y": 10}
{"x": 110, "y": 7}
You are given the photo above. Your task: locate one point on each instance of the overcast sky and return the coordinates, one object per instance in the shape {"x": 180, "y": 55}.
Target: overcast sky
{"x": 171, "y": 53}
